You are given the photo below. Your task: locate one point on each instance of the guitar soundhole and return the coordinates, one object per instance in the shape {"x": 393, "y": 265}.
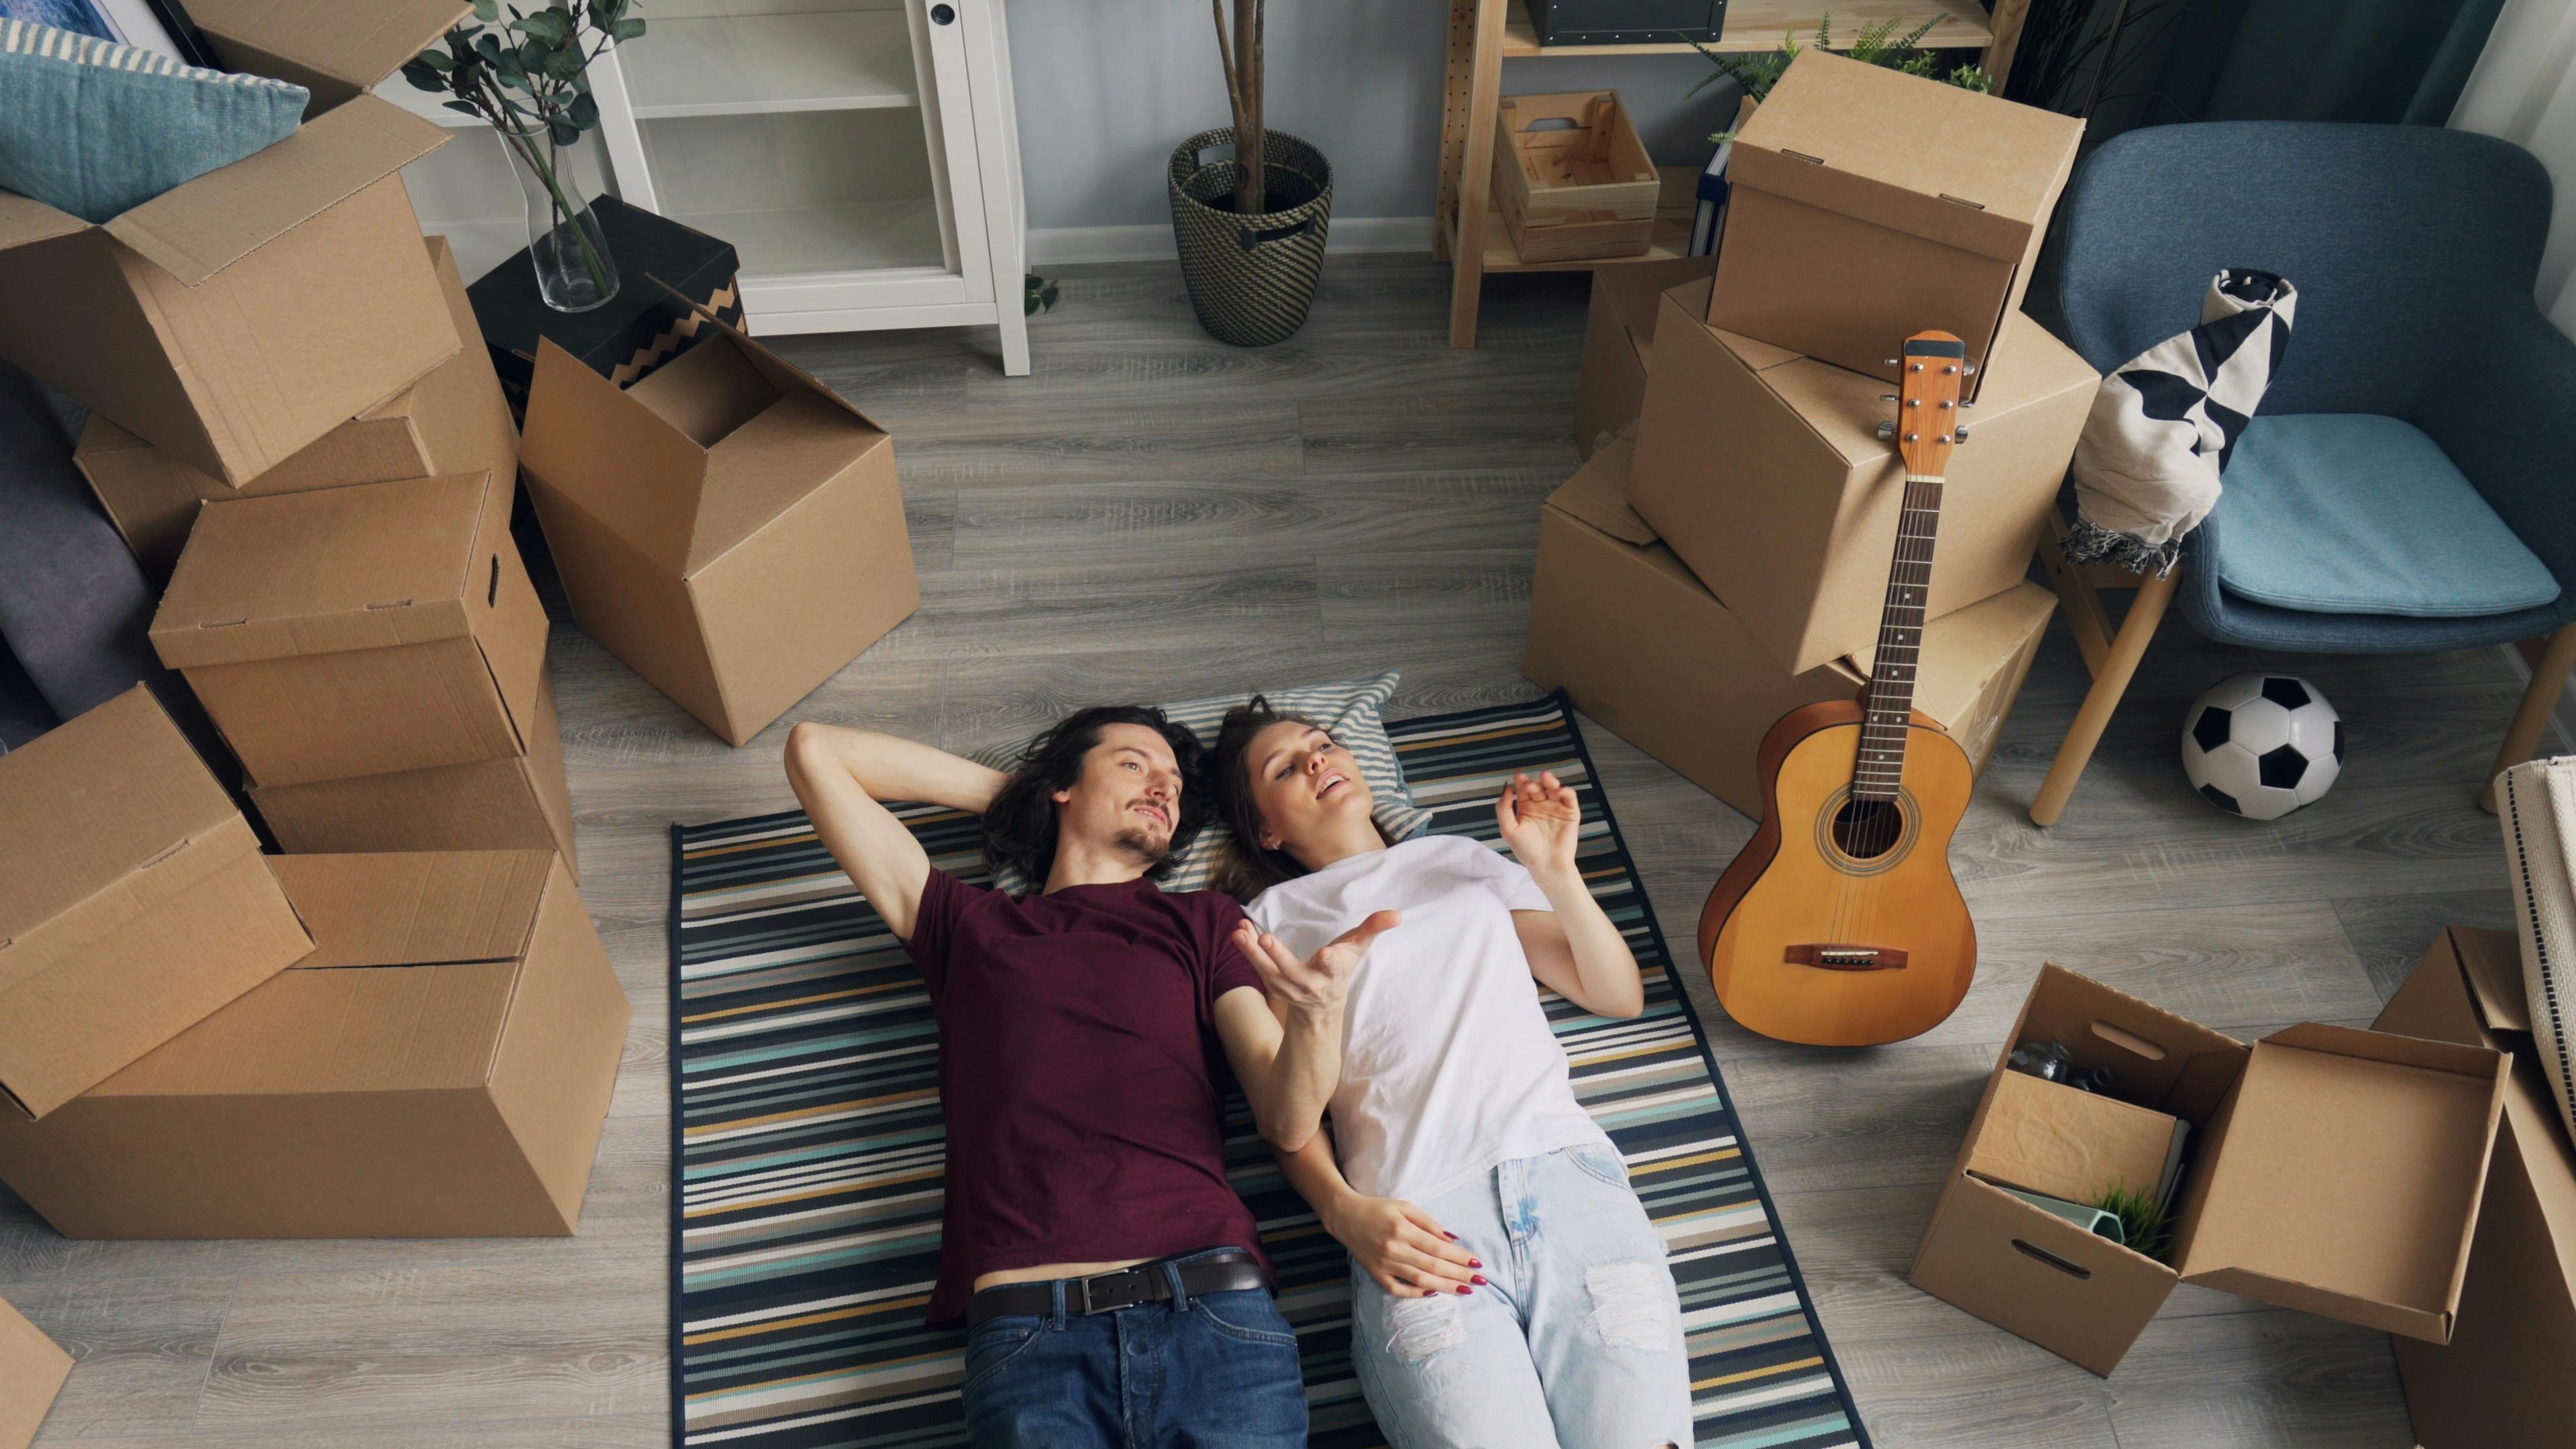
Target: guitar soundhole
{"x": 1868, "y": 829}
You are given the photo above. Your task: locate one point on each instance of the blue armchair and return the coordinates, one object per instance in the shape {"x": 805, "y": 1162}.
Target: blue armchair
{"x": 2404, "y": 487}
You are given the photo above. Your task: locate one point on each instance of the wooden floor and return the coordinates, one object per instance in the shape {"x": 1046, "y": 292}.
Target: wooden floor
{"x": 1155, "y": 515}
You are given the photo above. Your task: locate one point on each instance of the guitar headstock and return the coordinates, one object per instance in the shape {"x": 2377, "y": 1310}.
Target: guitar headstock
{"x": 1929, "y": 372}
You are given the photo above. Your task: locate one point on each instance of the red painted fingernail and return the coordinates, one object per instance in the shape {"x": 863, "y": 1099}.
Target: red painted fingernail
{"x": 1480, "y": 1278}
{"x": 1453, "y": 1237}
{"x": 1475, "y": 1262}
{"x": 1464, "y": 1290}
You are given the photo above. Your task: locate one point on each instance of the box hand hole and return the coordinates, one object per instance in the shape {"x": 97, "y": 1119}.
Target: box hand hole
{"x": 492, "y": 593}
{"x": 2052, "y": 1260}
{"x": 2128, "y": 1041}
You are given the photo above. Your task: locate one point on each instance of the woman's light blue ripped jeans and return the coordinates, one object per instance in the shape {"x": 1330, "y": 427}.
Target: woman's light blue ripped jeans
{"x": 1575, "y": 1341}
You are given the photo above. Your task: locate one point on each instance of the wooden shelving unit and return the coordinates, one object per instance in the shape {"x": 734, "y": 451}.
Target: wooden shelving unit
{"x": 1485, "y": 33}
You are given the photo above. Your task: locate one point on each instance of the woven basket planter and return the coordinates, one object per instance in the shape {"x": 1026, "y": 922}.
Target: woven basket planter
{"x": 1251, "y": 278}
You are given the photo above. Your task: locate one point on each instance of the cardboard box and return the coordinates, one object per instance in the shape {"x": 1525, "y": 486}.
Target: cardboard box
{"x": 2503, "y": 1381}
{"x": 132, "y": 900}
{"x": 238, "y": 317}
{"x": 1765, "y": 472}
{"x": 514, "y": 804}
{"x": 452, "y": 421}
{"x": 1869, "y": 205}
{"x": 2063, "y": 1142}
{"x": 405, "y": 635}
{"x": 728, "y": 526}
{"x": 32, "y": 1371}
{"x": 1619, "y": 341}
{"x": 2335, "y": 1171}
{"x": 1641, "y": 645}
{"x": 669, "y": 271}
{"x": 439, "y": 1066}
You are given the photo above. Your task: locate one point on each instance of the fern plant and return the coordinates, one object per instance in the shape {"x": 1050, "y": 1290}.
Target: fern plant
{"x": 1876, "y": 44}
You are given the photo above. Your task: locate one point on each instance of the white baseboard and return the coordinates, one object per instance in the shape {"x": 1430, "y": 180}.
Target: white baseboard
{"x": 1060, "y": 245}
{"x": 2563, "y": 717}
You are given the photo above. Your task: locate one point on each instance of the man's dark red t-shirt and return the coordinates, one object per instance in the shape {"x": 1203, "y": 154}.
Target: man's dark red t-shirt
{"x": 1078, "y": 1069}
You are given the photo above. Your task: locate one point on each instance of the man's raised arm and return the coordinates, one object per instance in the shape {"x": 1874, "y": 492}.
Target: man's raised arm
{"x": 841, "y": 774}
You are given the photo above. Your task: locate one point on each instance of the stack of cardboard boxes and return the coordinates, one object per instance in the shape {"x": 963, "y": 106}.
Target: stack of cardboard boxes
{"x": 407, "y": 1025}
{"x": 1722, "y": 557}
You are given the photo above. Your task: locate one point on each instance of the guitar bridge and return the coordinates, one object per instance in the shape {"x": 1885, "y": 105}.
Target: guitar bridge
{"x": 1845, "y": 956}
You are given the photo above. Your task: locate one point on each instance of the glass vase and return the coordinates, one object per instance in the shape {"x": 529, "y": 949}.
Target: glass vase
{"x": 575, "y": 272}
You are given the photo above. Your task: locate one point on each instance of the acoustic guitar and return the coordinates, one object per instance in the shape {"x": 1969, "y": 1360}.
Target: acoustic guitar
{"x": 1840, "y": 923}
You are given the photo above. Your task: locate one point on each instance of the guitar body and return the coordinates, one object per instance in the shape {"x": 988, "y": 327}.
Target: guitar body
{"x": 1807, "y": 941}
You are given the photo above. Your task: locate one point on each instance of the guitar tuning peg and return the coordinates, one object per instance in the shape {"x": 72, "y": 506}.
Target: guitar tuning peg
{"x": 1968, "y": 369}
{"x": 1960, "y": 434}
{"x": 1886, "y": 432}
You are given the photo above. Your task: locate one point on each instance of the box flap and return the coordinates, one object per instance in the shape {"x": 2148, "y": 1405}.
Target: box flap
{"x": 761, "y": 469}
{"x": 24, "y": 220}
{"x": 1597, "y": 495}
{"x": 1906, "y": 152}
{"x": 86, "y": 811}
{"x": 375, "y": 565}
{"x": 2492, "y": 963}
{"x": 2063, "y": 1142}
{"x": 589, "y": 441}
{"x": 196, "y": 230}
{"x": 408, "y": 909}
{"x": 2346, "y": 1178}
{"x": 355, "y": 45}
{"x": 782, "y": 374}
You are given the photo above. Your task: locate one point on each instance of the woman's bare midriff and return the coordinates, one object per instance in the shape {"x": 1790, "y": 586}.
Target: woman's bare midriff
{"x": 1045, "y": 1272}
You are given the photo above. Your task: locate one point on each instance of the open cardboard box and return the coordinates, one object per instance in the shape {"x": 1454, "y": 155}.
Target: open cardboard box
{"x": 405, "y": 635}
{"x": 1867, "y": 205}
{"x": 2334, "y": 1171}
{"x": 238, "y": 317}
{"x": 1641, "y": 645}
{"x": 1619, "y": 342}
{"x": 452, "y": 421}
{"x": 32, "y": 1371}
{"x": 728, "y": 526}
{"x": 439, "y": 1066}
{"x": 1764, "y": 470}
{"x": 134, "y": 902}
{"x": 2506, "y": 1379}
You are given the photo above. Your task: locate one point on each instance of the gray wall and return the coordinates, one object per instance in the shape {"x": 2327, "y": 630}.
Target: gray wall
{"x": 1106, "y": 89}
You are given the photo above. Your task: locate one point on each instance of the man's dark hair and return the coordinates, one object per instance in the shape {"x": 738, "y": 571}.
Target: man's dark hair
{"x": 1246, "y": 870}
{"x": 1020, "y": 825}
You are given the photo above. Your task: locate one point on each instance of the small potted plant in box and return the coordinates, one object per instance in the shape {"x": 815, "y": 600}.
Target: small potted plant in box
{"x": 529, "y": 77}
{"x": 1251, "y": 227}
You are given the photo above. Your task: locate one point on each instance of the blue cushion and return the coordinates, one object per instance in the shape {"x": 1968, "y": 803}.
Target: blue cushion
{"x": 95, "y": 129}
{"x": 2354, "y": 513}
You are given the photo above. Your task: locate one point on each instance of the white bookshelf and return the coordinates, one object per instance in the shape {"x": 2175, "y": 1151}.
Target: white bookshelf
{"x": 861, "y": 156}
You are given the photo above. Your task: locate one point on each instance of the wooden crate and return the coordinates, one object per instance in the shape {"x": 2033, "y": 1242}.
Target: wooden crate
{"x": 1572, "y": 178}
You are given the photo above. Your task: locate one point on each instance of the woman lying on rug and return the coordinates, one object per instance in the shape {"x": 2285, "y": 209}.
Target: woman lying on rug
{"x": 1456, "y": 1126}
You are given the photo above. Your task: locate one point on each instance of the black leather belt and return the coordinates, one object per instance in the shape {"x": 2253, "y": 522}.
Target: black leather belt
{"x": 1222, "y": 1272}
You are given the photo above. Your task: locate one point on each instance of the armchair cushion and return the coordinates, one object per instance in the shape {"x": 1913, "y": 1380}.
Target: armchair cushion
{"x": 2353, "y": 513}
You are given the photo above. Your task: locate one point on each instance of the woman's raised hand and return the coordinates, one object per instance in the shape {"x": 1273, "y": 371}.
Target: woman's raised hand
{"x": 1541, "y": 820}
{"x": 1403, "y": 1248}
{"x": 1317, "y": 984}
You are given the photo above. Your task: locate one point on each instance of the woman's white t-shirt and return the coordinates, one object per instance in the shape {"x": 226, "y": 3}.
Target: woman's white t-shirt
{"x": 1448, "y": 1063}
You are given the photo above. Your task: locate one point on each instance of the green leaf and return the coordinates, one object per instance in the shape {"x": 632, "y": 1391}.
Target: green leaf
{"x": 488, "y": 46}
{"x": 564, "y": 65}
{"x": 487, "y": 11}
{"x": 461, "y": 106}
{"x": 565, "y": 131}
{"x": 584, "y": 112}
{"x": 551, "y": 26}
{"x": 625, "y": 30}
{"x": 422, "y": 77}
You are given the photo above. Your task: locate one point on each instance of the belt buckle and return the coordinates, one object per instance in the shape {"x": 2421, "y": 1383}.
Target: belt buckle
{"x": 1089, "y": 1307}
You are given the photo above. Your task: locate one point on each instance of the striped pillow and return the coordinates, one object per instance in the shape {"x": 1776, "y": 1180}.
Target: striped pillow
{"x": 96, "y": 129}
{"x": 1353, "y": 710}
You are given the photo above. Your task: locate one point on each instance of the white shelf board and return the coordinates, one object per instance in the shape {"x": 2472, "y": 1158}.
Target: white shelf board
{"x": 850, "y": 236}
{"x": 734, "y": 65}
{"x": 424, "y": 104}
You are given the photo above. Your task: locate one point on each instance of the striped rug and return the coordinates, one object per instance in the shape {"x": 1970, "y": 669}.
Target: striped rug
{"x": 807, "y": 1142}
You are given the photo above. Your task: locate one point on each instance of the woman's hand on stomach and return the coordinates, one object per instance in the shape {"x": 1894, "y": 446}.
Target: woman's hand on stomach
{"x": 1402, "y": 1247}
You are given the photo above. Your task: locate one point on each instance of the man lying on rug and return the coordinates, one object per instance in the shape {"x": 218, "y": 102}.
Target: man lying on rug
{"x": 1455, "y": 1121}
{"x": 1086, "y": 1170}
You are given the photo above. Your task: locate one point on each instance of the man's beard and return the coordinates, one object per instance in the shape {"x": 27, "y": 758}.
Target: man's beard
{"x": 1144, "y": 847}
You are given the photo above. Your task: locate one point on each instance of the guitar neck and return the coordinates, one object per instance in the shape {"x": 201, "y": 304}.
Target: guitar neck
{"x": 1900, "y": 643}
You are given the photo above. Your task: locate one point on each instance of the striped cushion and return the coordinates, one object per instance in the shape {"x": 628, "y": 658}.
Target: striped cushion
{"x": 98, "y": 129}
{"x": 1354, "y": 710}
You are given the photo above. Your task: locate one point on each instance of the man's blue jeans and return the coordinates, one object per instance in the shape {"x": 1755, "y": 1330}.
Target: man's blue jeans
{"x": 1217, "y": 1371}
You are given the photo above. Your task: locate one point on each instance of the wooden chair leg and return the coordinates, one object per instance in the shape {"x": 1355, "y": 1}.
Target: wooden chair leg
{"x": 2085, "y": 617}
{"x": 2111, "y": 681}
{"x": 2548, "y": 681}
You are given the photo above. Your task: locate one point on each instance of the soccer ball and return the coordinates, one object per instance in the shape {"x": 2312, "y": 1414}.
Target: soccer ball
{"x": 2262, "y": 745}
